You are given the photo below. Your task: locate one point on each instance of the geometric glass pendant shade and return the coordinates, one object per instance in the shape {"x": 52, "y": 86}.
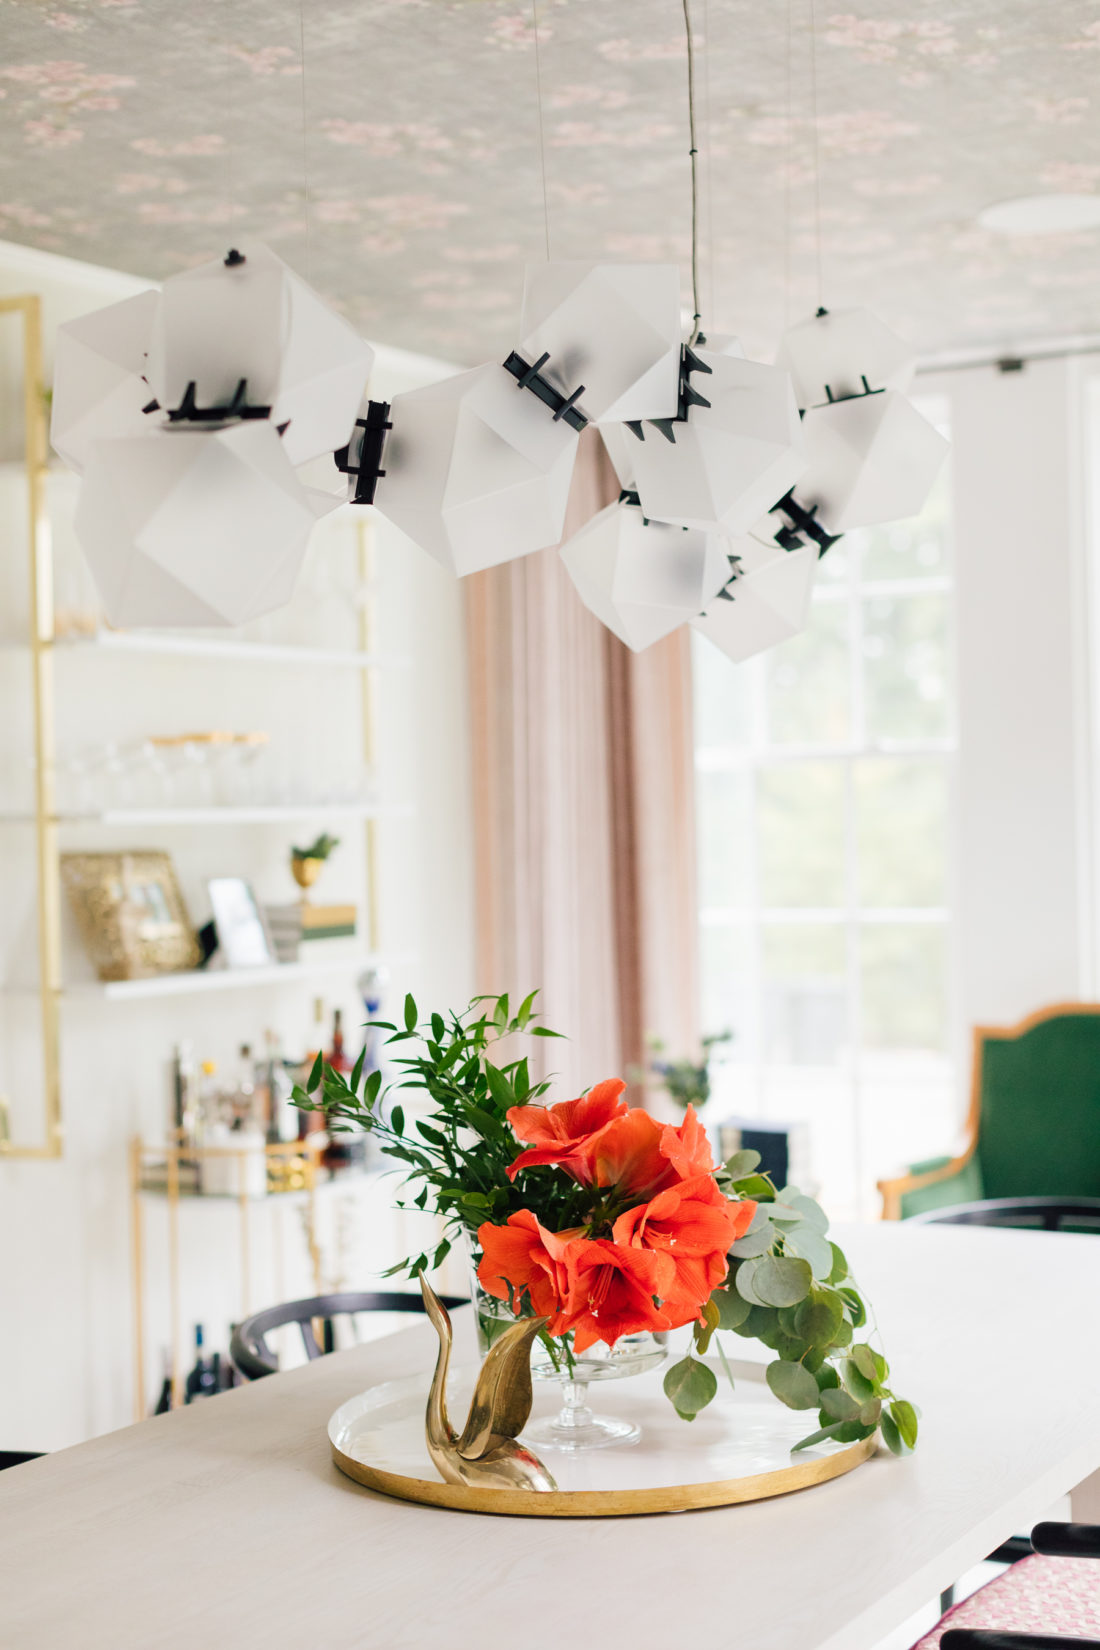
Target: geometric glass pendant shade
{"x": 728, "y": 462}
{"x": 829, "y": 355}
{"x": 475, "y": 470}
{"x": 763, "y": 607}
{"x": 251, "y": 317}
{"x": 615, "y": 328}
{"x": 193, "y": 526}
{"x": 643, "y": 579}
{"x": 872, "y": 459}
{"x": 98, "y": 388}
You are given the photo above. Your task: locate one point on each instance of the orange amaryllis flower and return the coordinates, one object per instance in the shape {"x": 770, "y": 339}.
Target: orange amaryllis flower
{"x": 561, "y": 1134}
{"x": 530, "y": 1259}
{"x": 687, "y": 1147}
{"x": 612, "y": 1290}
{"x": 693, "y": 1223}
{"x": 628, "y": 1155}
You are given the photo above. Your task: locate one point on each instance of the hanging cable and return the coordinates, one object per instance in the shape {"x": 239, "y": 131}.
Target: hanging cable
{"x": 711, "y": 255}
{"x": 694, "y": 153}
{"x": 816, "y": 158}
{"x": 541, "y": 133}
{"x": 788, "y": 170}
{"x": 305, "y": 143}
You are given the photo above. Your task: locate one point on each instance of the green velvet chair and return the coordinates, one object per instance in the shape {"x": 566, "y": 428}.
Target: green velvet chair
{"x": 1034, "y": 1123}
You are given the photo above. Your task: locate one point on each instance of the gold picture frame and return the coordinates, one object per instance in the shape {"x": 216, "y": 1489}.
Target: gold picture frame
{"x": 131, "y": 913}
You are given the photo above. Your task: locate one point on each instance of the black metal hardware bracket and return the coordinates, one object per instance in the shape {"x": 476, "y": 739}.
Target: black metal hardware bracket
{"x": 802, "y": 525}
{"x": 238, "y": 408}
{"x": 529, "y": 377}
{"x": 366, "y": 467}
{"x": 688, "y": 397}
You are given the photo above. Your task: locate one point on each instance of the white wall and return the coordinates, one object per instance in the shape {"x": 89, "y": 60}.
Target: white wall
{"x": 1023, "y": 803}
{"x": 65, "y": 1295}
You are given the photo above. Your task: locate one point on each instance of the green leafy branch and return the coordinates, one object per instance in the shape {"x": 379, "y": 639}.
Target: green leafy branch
{"x": 790, "y": 1287}
{"x": 458, "y": 1158}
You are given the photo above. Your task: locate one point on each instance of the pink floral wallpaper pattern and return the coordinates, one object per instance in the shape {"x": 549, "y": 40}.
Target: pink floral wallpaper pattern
{"x": 401, "y": 170}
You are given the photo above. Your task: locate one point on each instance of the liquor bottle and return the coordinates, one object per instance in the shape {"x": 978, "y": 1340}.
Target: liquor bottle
{"x": 243, "y": 1095}
{"x": 343, "y": 1149}
{"x": 200, "y": 1378}
{"x": 282, "y": 1117}
{"x": 184, "y": 1092}
{"x": 164, "y": 1400}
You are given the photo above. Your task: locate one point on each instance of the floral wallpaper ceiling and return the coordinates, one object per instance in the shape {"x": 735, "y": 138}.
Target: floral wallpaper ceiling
{"x": 401, "y": 171}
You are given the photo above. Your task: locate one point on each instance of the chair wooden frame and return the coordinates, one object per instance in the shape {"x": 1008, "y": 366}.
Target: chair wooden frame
{"x": 894, "y": 1189}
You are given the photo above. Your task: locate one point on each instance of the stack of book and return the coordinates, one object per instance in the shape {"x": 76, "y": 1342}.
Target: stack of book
{"x": 327, "y": 922}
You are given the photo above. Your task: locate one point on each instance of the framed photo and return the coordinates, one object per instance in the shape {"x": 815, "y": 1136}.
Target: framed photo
{"x": 243, "y": 938}
{"x": 131, "y": 914}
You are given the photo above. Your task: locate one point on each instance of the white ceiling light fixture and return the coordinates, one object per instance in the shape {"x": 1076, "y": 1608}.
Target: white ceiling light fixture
{"x": 605, "y": 335}
{"x": 840, "y": 353}
{"x": 195, "y": 527}
{"x": 735, "y": 447}
{"x": 758, "y": 609}
{"x": 99, "y": 390}
{"x": 244, "y": 336}
{"x": 643, "y": 579}
{"x": 1042, "y": 215}
{"x": 188, "y": 409}
{"x": 872, "y": 459}
{"x": 475, "y": 470}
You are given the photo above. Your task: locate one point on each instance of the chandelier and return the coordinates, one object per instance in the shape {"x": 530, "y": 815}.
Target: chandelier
{"x": 189, "y": 412}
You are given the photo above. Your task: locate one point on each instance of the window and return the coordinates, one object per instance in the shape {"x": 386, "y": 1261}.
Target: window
{"x": 823, "y": 781}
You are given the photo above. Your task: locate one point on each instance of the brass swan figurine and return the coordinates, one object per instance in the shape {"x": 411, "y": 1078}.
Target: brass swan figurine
{"x": 487, "y": 1455}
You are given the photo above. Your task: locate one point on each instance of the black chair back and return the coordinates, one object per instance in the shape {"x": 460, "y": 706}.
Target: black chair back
{"x": 1045, "y": 1214}
{"x": 255, "y": 1359}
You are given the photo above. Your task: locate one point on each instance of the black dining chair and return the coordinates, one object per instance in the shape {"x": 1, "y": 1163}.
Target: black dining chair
{"x": 1049, "y": 1541}
{"x": 1036, "y": 1214}
{"x": 251, "y": 1354}
{"x": 16, "y": 1457}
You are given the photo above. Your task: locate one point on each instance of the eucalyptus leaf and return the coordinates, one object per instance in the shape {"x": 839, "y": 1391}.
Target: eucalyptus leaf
{"x": 904, "y": 1417}
{"x": 733, "y": 1308}
{"x": 780, "y": 1281}
{"x": 839, "y": 1405}
{"x": 754, "y": 1243}
{"x": 856, "y": 1382}
{"x": 812, "y": 1247}
{"x": 792, "y": 1385}
{"x": 891, "y": 1436}
{"x": 840, "y": 1265}
{"x": 864, "y": 1359}
{"x": 818, "y": 1318}
{"x": 691, "y": 1386}
{"x": 742, "y": 1163}
{"x": 743, "y": 1283}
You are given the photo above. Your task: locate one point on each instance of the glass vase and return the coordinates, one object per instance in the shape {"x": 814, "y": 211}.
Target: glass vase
{"x": 576, "y": 1426}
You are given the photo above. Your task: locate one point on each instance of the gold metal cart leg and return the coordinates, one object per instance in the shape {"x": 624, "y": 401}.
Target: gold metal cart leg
{"x": 45, "y": 801}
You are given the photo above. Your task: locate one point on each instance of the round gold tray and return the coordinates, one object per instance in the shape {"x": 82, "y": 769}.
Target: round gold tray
{"x": 737, "y": 1450}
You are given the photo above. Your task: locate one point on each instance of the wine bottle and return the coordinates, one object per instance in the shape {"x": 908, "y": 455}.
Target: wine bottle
{"x": 200, "y": 1378}
{"x": 164, "y": 1400}
{"x": 342, "y": 1150}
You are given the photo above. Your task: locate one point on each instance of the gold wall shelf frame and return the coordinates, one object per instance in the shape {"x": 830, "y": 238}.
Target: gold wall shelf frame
{"x": 28, "y": 309}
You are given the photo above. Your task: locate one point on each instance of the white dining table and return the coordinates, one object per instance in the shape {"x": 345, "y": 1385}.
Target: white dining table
{"x": 227, "y": 1523}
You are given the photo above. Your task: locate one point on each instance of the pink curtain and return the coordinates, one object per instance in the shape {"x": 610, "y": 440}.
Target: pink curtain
{"x": 583, "y": 810}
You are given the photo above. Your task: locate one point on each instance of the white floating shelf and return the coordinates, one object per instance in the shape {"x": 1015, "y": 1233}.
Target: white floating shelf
{"x": 212, "y": 647}
{"x": 224, "y": 979}
{"x": 261, "y": 813}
